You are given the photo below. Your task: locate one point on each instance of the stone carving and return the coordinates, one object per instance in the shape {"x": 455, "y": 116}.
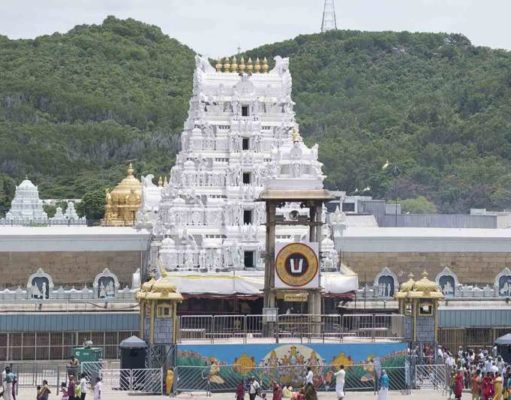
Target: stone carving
{"x": 39, "y": 285}
{"x": 448, "y": 282}
{"x": 105, "y": 285}
{"x": 386, "y": 283}
{"x": 503, "y": 283}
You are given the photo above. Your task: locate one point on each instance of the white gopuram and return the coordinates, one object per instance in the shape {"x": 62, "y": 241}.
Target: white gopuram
{"x": 26, "y": 207}
{"x": 240, "y": 134}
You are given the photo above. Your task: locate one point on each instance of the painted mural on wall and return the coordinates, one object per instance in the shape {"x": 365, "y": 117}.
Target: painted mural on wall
{"x": 222, "y": 367}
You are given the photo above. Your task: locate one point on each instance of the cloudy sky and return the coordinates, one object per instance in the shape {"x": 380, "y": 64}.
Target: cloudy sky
{"x": 218, "y": 27}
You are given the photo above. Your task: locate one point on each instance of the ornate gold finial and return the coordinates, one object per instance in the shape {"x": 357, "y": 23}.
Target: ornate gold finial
{"x": 160, "y": 182}
{"x": 218, "y": 65}
{"x": 234, "y": 64}
{"x": 250, "y": 66}
{"x": 227, "y": 65}
{"x": 241, "y": 65}
{"x": 257, "y": 65}
{"x": 265, "y": 65}
{"x": 130, "y": 170}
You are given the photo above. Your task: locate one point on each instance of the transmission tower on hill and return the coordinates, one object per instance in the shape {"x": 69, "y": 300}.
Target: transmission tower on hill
{"x": 329, "y": 22}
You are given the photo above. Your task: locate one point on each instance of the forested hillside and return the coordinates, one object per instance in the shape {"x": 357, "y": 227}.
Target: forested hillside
{"x": 436, "y": 107}
{"x": 75, "y": 107}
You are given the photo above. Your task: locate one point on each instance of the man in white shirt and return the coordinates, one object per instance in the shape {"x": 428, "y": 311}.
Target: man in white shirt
{"x": 97, "y": 389}
{"x": 7, "y": 383}
{"x": 309, "y": 378}
{"x": 339, "y": 382}
{"x": 83, "y": 386}
{"x": 253, "y": 389}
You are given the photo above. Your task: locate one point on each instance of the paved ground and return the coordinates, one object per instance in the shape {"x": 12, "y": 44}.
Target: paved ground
{"x": 27, "y": 394}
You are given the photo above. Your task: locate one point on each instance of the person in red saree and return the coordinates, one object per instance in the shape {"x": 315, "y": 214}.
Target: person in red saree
{"x": 458, "y": 385}
{"x": 487, "y": 389}
{"x": 240, "y": 391}
{"x": 277, "y": 391}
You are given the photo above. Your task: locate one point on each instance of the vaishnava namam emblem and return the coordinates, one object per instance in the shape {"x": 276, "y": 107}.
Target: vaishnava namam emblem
{"x": 296, "y": 264}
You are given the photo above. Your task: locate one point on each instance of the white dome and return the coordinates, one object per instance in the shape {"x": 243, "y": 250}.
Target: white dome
{"x": 26, "y": 184}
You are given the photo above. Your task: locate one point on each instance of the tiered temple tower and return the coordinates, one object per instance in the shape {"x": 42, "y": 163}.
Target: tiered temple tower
{"x": 208, "y": 220}
{"x": 26, "y": 207}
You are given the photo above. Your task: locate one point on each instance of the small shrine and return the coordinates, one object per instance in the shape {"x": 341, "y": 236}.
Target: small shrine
{"x": 158, "y": 311}
{"x": 418, "y": 302}
{"x": 123, "y": 202}
{"x": 26, "y": 207}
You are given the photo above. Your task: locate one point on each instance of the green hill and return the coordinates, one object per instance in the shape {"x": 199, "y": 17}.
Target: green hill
{"x": 432, "y": 104}
{"x": 75, "y": 107}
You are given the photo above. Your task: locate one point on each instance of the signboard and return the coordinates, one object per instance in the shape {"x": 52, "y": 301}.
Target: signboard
{"x": 296, "y": 265}
{"x": 300, "y": 297}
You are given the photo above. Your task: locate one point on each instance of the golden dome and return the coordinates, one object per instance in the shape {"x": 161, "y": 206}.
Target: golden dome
{"x": 125, "y": 187}
{"x": 408, "y": 285}
{"x": 161, "y": 289}
{"x": 123, "y": 202}
{"x": 425, "y": 285}
{"x": 423, "y": 288}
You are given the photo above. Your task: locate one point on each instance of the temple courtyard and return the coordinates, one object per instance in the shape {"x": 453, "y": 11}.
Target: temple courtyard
{"x": 27, "y": 393}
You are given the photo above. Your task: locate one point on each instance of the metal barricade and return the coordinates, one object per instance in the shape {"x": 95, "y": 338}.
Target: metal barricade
{"x": 225, "y": 378}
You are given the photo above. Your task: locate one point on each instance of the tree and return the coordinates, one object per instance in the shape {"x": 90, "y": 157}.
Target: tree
{"x": 92, "y": 205}
{"x": 418, "y": 205}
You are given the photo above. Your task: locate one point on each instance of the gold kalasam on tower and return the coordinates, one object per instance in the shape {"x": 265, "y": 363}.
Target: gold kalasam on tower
{"x": 123, "y": 202}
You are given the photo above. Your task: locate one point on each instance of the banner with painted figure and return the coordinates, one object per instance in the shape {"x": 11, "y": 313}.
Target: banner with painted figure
{"x": 296, "y": 265}
{"x": 222, "y": 367}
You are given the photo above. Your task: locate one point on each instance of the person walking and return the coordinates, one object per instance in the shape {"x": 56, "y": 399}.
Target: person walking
{"x": 7, "y": 382}
{"x": 497, "y": 383}
{"x": 98, "y": 388}
{"x": 340, "y": 377}
{"x": 309, "y": 377}
{"x": 383, "y": 393}
{"x": 83, "y": 386}
{"x": 240, "y": 391}
{"x": 44, "y": 391}
{"x": 277, "y": 391}
{"x": 487, "y": 389}
{"x": 458, "y": 385}
{"x": 310, "y": 392}
{"x": 71, "y": 388}
{"x": 476, "y": 385}
{"x": 254, "y": 388}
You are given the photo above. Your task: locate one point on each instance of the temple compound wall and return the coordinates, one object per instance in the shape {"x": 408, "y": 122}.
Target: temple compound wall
{"x": 68, "y": 268}
{"x": 470, "y": 267}
{"x": 71, "y": 255}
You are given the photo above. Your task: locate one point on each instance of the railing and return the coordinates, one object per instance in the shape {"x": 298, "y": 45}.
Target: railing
{"x": 303, "y": 327}
{"x": 146, "y": 380}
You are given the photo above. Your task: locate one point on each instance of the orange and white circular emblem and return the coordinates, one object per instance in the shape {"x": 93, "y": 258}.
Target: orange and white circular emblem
{"x": 296, "y": 264}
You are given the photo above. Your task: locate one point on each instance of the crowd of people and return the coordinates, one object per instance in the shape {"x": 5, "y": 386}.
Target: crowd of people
{"x": 481, "y": 372}
{"x": 308, "y": 390}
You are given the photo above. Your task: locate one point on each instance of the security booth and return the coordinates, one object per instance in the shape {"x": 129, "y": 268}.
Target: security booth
{"x": 503, "y": 344}
{"x": 133, "y": 356}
